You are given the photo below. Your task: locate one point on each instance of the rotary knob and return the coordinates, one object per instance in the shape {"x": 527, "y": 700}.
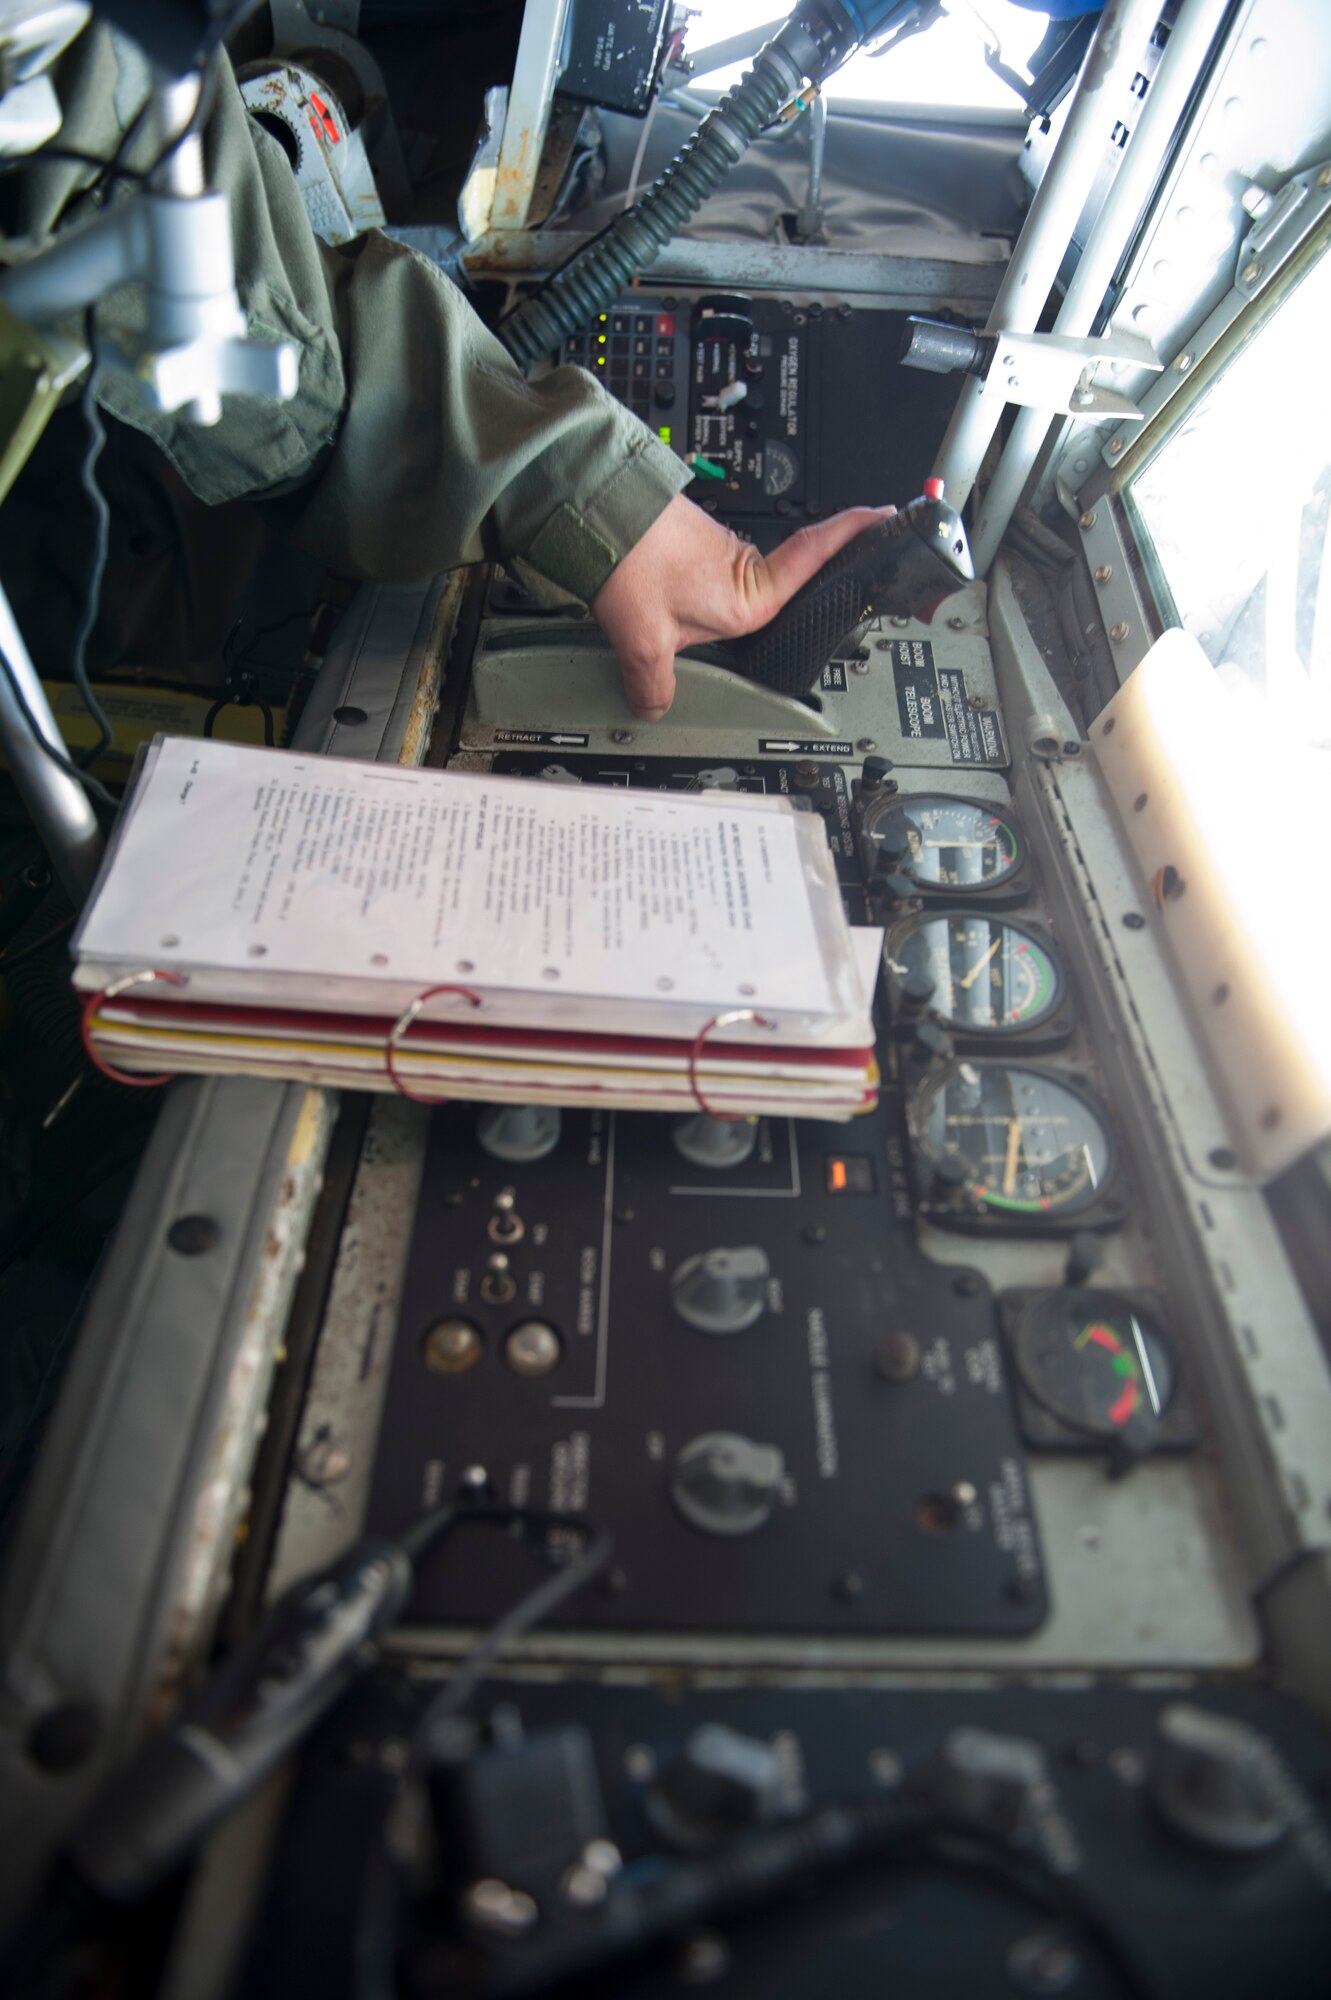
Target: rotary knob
{"x": 520, "y": 1132}
{"x": 705, "y": 1141}
{"x": 721, "y": 1291}
{"x": 726, "y": 1484}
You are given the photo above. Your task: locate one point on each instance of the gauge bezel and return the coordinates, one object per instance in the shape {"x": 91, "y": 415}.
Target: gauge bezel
{"x": 1002, "y": 891}
{"x": 1047, "y": 1029}
{"x": 1046, "y": 1428}
{"x": 1100, "y": 1209}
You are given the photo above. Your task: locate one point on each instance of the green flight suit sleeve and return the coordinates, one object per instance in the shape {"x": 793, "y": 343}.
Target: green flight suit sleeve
{"x": 413, "y": 443}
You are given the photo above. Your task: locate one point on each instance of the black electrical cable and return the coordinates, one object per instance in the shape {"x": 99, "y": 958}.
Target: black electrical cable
{"x": 529, "y": 1611}
{"x": 634, "y": 239}
{"x": 9, "y": 958}
{"x": 93, "y": 786}
{"x": 375, "y": 1924}
{"x": 106, "y": 167}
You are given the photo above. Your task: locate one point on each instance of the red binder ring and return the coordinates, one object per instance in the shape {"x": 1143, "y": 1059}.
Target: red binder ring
{"x": 720, "y": 1021}
{"x": 113, "y": 992}
{"x": 399, "y": 1028}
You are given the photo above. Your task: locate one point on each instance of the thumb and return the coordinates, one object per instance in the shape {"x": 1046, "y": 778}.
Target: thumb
{"x": 649, "y": 681}
{"x": 789, "y": 567}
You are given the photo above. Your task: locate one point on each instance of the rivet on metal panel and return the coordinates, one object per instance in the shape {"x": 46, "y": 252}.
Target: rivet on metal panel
{"x": 1103, "y": 572}
{"x": 1116, "y": 445}
{"x": 1119, "y": 632}
{"x": 1251, "y": 273}
{"x": 1088, "y": 519}
{"x": 1183, "y": 362}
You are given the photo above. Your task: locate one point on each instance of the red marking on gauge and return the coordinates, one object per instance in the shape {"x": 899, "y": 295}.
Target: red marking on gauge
{"x": 1120, "y": 1411}
{"x": 1102, "y": 1337}
{"x": 325, "y": 125}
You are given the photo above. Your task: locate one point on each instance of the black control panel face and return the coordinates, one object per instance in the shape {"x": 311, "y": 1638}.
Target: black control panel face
{"x": 814, "y": 1433}
{"x": 797, "y": 410}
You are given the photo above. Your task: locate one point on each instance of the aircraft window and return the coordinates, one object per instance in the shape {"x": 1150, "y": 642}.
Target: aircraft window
{"x": 944, "y": 66}
{"x": 1233, "y": 511}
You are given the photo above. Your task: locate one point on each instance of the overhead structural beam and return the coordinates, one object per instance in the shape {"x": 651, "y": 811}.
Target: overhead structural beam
{"x": 1189, "y": 45}
{"x": 1111, "y": 62}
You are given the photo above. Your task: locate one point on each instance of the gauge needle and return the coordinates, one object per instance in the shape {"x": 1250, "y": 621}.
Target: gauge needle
{"x": 1013, "y": 1150}
{"x": 975, "y": 971}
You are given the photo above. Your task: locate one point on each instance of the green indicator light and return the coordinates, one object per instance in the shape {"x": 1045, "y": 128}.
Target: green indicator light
{"x": 664, "y": 433}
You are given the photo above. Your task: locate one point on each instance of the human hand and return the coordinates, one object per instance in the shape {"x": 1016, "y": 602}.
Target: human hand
{"x": 689, "y": 580}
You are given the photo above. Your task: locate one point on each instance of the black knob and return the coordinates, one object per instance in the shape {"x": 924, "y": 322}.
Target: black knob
{"x": 917, "y": 990}
{"x": 720, "y": 1783}
{"x": 950, "y": 1175}
{"x": 726, "y": 316}
{"x": 664, "y": 395}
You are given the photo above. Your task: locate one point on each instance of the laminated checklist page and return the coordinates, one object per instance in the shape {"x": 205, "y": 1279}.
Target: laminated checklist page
{"x": 269, "y": 878}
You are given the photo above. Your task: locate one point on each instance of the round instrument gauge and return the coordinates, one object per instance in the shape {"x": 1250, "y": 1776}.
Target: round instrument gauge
{"x": 942, "y": 843}
{"x": 989, "y": 977}
{"x": 1027, "y": 1142}
{"x": 1096, "y": 1362}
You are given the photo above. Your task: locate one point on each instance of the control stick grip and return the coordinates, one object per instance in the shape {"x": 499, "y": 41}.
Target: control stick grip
{"x": 903, "y": 566}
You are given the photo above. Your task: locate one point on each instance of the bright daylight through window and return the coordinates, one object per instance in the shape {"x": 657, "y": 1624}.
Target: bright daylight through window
{"x": 944, "y": 66}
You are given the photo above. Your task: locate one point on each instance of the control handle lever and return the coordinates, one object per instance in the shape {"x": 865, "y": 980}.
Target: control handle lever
{"x": 903, "y": 566}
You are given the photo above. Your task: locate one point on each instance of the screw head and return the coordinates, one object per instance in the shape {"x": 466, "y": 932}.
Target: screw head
{"x": 192, "y": 1235}
{"x": 1088, "y": 519}
{"x": 1119, "y": 631}
{"x": 1102, "y": 572}
{"x": 1116, "y": 444}
{"x": 621, "y": 735}
{"x": 64, "y": 1737}
{"x": 1251, "y": 272}
{"x": 956, "y": 624}
{"x": 898, "y": 1358}
{"x": 1184, "y": 362}
{"x": 866, "y": 744}
{"x": 583, "y": 1888}
{"x": 705, "y": 1958}
{"x": 493, "y": 1906}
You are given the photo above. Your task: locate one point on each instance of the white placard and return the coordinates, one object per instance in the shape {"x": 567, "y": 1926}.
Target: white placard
{"x": 292, "y": 875}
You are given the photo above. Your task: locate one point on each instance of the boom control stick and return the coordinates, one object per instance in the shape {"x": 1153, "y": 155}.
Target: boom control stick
{"x": 904, "y": 566}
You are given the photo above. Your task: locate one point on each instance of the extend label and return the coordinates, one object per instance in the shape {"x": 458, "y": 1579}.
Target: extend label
{"x": 933, "y": 705}
{"x": 568, "y": 739}
{"x": 790, "y": 746}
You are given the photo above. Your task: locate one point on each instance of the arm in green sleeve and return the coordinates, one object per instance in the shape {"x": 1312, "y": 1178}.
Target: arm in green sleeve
{"x": 413, "y": 442}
